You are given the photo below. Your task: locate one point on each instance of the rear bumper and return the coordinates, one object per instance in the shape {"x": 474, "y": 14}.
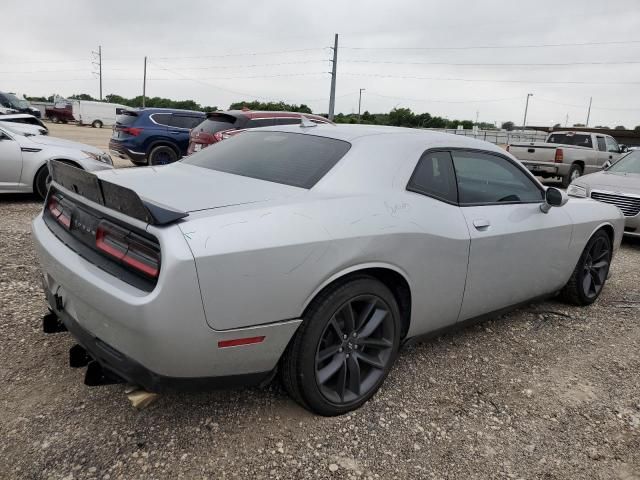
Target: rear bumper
{"x": 118, "y": 150}
{"x": 135, "y": 373}
{"x": 547, "y": 168}
{"x": 156, "y": 338}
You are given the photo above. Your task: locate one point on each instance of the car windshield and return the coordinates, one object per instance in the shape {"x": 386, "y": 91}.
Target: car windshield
{"x": 16, "y": 102}
{"x": 295, "y": 159}
{"x": 627, "y": 164}
{"x": 570, "y": 139}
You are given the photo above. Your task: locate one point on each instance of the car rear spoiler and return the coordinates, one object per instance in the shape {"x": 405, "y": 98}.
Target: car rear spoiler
{"x": 111, "y": 195}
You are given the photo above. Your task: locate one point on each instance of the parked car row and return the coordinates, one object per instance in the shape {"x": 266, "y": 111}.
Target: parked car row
{"x": 159, "y": 136}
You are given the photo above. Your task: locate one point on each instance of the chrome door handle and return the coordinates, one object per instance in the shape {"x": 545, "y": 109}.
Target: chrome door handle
{"x": 481, "y": 224}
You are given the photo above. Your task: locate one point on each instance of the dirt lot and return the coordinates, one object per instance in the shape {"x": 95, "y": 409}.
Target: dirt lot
{"x": 549, "y": 391}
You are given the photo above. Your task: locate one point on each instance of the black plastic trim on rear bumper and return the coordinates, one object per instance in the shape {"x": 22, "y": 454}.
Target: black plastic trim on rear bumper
{"x": 131, "y": 371}
{"x": 137, "y": 158}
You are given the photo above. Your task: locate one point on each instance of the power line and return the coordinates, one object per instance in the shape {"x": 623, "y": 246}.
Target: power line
{"x": 481, "y": 47}
{"x": 385, "y": 62}
{"x": 548, "y": 100}
{"x": 430, "y": 100}
{"x": 244, "y": 54}
{"x": 254, "y": 65}
{"x": 454, "y": 79}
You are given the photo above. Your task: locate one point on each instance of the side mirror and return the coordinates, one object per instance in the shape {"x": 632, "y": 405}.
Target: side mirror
{"x": 623, "y": 148}
{"x": 606, "y": 165}
{"x": 553, "y": 198}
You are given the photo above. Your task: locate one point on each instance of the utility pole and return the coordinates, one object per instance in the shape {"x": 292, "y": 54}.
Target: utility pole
{"x": 566, "y": 120}
{"x": 144, "y": 83}
{"x": 99, "y": 65}
{"x": 332, "y": 96}
{"x": 588, "y": 112}
{"x": 526, "y": 107}
{"x": 477, "y": 116}
{"x": 360, "y": 103}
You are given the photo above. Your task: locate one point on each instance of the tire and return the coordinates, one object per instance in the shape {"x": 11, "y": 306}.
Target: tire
{"x": 54, "y": 119}
{"x": 162, "y": 155}
{"x": 96, "y": 124}
{"x": 41, "y": 182}
{"x": 574, "y": 172}
{"x": 331, "y": 374}
{"x": 589, "y": 276}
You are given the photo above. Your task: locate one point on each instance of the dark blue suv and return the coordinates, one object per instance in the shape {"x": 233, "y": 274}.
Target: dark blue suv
{"x": 152, "y": 136}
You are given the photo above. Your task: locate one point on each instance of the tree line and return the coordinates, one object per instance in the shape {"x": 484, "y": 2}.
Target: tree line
{"x": 397, "y": 117}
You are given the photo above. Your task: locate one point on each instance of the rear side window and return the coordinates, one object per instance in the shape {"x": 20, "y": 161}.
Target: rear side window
{"x": 434, "y": 176}
{"x": 602, "y": 146}
{"x": 215, "y": 124}
{"x": 161, "y": 118}
{"x": 184, "y": 121}
{"x": 298, "y": 160}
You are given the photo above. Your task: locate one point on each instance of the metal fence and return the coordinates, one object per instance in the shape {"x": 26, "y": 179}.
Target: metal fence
{"x": 499, "y": 137}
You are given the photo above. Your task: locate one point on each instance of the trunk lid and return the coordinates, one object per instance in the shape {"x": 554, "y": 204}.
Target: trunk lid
{"x": 189, "y": 188}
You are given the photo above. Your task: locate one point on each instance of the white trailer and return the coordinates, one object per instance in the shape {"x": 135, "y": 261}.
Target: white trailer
{"x": 96, "y": 114}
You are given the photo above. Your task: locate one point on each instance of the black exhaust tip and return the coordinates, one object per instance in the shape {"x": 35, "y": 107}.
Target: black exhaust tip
{"x": 96, "y": 376}
{"x": 78, "y": 357}
{"x": 52, "y": 324}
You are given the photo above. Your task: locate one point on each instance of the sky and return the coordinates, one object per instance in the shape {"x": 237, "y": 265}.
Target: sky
{"x": 457, "y": 59}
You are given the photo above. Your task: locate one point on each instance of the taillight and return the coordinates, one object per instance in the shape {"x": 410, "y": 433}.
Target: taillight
{"x": 58, "y": 212}
{"x": 128, "y": 248}
{"x": 218, "y": 136}
{"x": 135, "y": 131}
{"x": 559, "y": 158}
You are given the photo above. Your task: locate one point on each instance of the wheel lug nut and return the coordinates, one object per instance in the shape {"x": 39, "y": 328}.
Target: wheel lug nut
{"x": 347, "y": 355}
{"x": 340, "y": 350}
{"x": 355, "y": 334}
{"x": 344, "y": 336}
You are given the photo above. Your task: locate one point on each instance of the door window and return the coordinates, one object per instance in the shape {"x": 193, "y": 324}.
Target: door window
{"x": 434, "y": 177}
{"x": 184, "y": 121}
{"x": 161, "y": 118}
{"x": 612, "y": 145}
{"x": 486, "y": 178}
{"x": 602, "y": 146}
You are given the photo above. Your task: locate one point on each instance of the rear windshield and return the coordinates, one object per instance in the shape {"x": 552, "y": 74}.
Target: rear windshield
{"x": 126, "y": 118}
{"x": 215, "y": 124}
{"x": 294, "y": 159}
{"x": 566, "y": 139}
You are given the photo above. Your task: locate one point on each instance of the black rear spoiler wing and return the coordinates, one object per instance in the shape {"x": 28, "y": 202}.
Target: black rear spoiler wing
{"x": 111, "y": 195}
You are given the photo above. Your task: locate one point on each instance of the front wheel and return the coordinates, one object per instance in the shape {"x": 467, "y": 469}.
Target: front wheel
{"x": 96, "y": 124}
{"x": 345, "y": 347}
{"x": 589, "y": 276}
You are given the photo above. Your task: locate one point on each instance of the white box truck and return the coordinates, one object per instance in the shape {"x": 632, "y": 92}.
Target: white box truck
{"x": 96, "y": 114}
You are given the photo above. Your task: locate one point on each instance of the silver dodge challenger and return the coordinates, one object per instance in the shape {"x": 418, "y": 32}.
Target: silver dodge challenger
{"x": 316, "y": 251}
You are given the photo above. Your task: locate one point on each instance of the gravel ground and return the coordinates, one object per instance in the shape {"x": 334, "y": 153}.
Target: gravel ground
{"x": 549, "y": 391}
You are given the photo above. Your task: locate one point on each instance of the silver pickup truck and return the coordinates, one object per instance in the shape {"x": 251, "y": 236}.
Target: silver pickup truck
{"x": 567, "y": 155}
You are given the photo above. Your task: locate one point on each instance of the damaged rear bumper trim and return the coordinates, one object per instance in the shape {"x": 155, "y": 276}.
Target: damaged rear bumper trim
{"x": 133, "y": 372}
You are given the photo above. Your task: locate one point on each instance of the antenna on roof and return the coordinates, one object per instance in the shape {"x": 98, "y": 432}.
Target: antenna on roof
{"x": 306, "y": 122}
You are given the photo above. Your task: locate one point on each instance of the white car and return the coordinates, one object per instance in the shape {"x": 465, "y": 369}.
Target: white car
{"x": 23, "y": 165}
{"x": 24, "y": 128}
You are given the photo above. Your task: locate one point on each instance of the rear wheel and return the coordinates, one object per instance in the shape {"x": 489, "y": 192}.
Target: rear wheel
{"x": 54, "y": 119}
{"x": 575, "y": 172}
{"x": 344, "y": 348}
{"x": 590, "y": 274}
{"x": 41, "y": 182}
{"x": 162, "y": 155}
{"x": 96, "y": 124}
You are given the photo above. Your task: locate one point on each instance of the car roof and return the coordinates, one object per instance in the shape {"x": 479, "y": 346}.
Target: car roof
{"x": 353, "y": 133}
{"x": 161, "y": 110}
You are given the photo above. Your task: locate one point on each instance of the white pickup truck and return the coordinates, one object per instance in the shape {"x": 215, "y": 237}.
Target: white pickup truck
{"x": 567, "y": 155}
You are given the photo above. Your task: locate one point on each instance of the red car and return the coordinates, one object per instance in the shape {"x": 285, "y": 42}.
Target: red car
{"x": 220, "y": 125}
